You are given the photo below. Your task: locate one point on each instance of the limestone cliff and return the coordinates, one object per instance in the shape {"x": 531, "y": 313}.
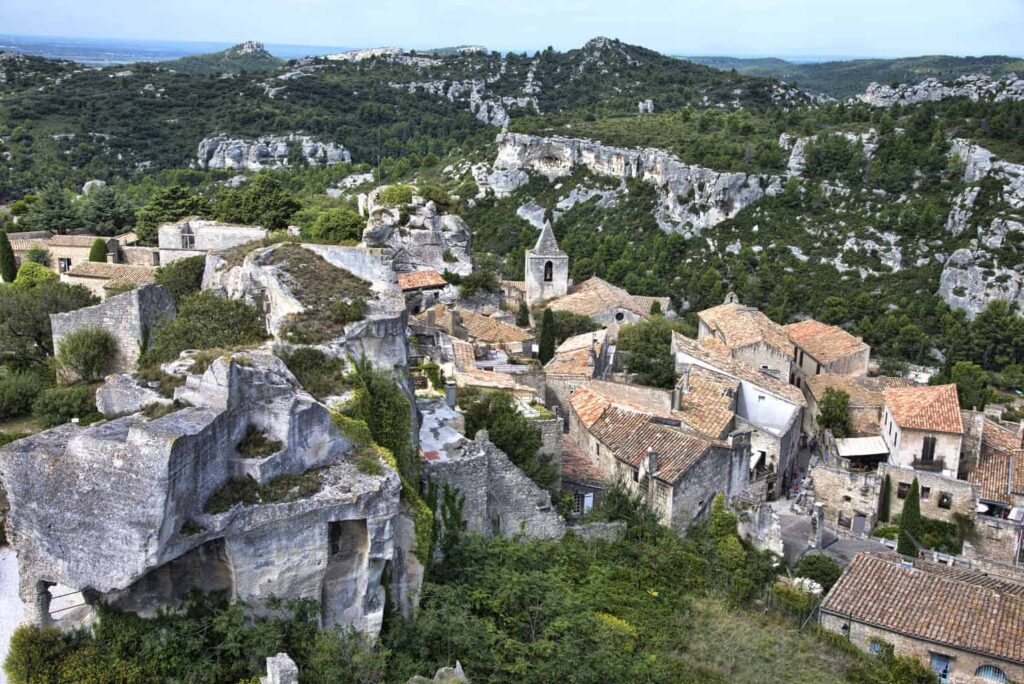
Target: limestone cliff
{"x": 691, "y": 198}
{"x": 974, "y": 87}
{"x": 268, "y": 152}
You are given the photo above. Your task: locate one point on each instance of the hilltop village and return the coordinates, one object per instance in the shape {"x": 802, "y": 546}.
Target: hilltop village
{"x": 261, "y": 469}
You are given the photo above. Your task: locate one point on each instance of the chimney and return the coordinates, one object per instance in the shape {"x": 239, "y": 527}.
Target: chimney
{"x": 431, "y": 320}
{"x": 684, "y": 382}
{"x": 111, "y": 257}
{"x": 677, "y": 398}
{"x": 592, "y": 361}
{"x": 652, "y": 462}
{"x": 450, "y": 397}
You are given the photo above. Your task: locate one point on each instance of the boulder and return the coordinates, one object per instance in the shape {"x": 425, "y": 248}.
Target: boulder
{"x": 122, "y": 394}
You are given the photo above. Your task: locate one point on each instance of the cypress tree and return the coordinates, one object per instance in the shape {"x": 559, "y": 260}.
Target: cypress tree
{"x": 885, "y": 505}
{"x": 910, "y": 521}
{"x": 655, "y": 308}
{"x": 98, "y": 251}
{"x": 8, "y": 265}
{"x": 523, "y": 317}
{"x": 547, "y": 336}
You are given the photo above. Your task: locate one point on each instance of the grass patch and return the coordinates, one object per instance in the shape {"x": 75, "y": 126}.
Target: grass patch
{"x": 332, "y": 296}
{"x": 256, "y": 445}
{"x": 368, "y": 462}
{"x": 154, "y": 411}
{"x": 320, "y": 375}
{"x": 166, "y": 383}
{"x": 248, "y": 492}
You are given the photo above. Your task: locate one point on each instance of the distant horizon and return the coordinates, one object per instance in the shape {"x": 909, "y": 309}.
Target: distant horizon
{"x": 206, "y": 46}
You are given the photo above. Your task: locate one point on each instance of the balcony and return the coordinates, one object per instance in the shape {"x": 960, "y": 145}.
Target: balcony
{"x": 935, "y": 465}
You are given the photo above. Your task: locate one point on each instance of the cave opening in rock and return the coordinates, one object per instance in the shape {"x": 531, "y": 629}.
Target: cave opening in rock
{"x": 344, "y": 580}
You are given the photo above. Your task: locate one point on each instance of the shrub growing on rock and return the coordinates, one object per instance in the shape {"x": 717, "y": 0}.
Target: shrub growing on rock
{"x": 87, "y": 353}
{"x": 59, "y": 405}
{"x": 182, "y": 277}
{"x": 395, "y": 195}
{"x": 320, "y": 375}
{"x": 205, "y": 321}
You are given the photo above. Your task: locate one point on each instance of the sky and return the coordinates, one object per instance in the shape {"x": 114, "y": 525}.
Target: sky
{"x": 866, "y": 28}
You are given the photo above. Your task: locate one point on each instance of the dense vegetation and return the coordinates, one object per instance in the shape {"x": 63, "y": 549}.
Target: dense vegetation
{"x": 238, "y": 59}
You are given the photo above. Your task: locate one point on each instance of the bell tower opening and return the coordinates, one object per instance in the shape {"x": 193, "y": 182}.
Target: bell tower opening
{"x": 549, "y": 269}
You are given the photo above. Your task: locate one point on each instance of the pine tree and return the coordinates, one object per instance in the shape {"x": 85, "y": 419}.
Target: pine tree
{"x": 8, "y": 265}
{"x": 886, "y": 503}
{"x": 98, "y": 251}
{"x": 55, "y": 211}
{"x": 547, "y": 336}
{"x": 910, "y": 521}
{"x": 523, "y": 317}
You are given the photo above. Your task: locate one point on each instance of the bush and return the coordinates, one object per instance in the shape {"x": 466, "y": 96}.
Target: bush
{"x": 58, "y": 405}
{"x": 31, "y": 274}
{"x": 38, "y": 255}
{"x": 336, "y": 225}
{"x": 395, "y": 195}
{"x": 820, "y": 568}
{"x": 319, "y": 374}
{"x": 256, "y": 445}
{"x": 98, "y": 251}
{"x": 18, "y": 391}
{"x": 205, "y": 321}
{"x": 87, "y": 353}
{"x": 182, "y": 277}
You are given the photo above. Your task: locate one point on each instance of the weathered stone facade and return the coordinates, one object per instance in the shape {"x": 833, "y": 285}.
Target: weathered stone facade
{"x": 849, "y": 498}
{"x": 195, "y": 236}
{"x": 547, "y": 269}
{"x": 936, "y": 492}
{"x": 129, "y": 317}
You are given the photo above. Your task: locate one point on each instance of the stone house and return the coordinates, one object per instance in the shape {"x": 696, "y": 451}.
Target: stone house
{"x": 194, "y": 236}
{"x": 65, "y": 251}
{"x": 421, "y": 289}
{"x": 968, "y": 627}
{"x": 748, "y": 336}
{"x": 607, "y": 304}
{"x": 652, "y": 451}
{"x": 547, "y": 269}
{"x": 767, "y": 407}
{"x": 999, "y": 478}
{"x": 577, "y": 361}
{"x": 129, "y": 317}
{"x": 581, "y": 477}
{"x": 819, "y": 348}
{"x": 473, "y": 327}
{"x": 923, "y": 428}
{"x": 866, "y": 400}
{"x": 106, "y": 279}
{"x": 941, "y": 497}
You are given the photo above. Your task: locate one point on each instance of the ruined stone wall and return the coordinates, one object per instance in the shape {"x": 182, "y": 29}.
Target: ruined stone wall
{"x": 515, "y": 504}
{"x": 140, "y": 256}
{"x": 963, "y": 664}
{"x": 847, "y": 494}
{"x": 129, "y": 317}
{"x": 964, "y": 494}
{"x": 997, "y": 541}
{"x": 760, "y": 355}
{"x": 559, "y": 387}
{"x": 694, "y": 492}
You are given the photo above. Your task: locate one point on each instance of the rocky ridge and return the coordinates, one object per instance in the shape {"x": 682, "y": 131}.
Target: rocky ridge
{"x": 974, "y": 87}
{"x": 268, "y": 152}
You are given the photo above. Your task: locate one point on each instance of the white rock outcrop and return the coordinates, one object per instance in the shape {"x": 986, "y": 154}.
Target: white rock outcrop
{"x": 973, "y": 86}
{"x": 971, "y": 280}
{"x": 691, "y": 198}
{"x": 418, "y": 236}
{"x": 268, "y": 152}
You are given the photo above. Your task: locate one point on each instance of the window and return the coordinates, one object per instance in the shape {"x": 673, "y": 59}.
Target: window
{"x": 928, "y": 451}
{"x": 925, "y": 493}
{"x": 990, "y": 673}
{"x": 818, "y": 371}
{"x": 577, "y": 502}
{"x": 801, "y": 357}
{"x": 945, "y": 500}
{"x": 902, "y": 489}
{"x": 845, "y": 522}
{"x": 876, "y": 647}
{"x": 636, "y": 474}
{"x": 549, "y": 272}
{"x": 619, "y": 316}
{"x": 940, "y": 666}
{"x": 64, "y": 265}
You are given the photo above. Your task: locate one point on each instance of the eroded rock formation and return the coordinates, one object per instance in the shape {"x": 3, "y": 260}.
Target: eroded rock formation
{"x": 418, "y": 236}
{"x": 974, "y": 87}
{"x": 268, "y": 152}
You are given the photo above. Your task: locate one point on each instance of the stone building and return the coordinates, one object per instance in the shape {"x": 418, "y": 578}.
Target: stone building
{"x": 65, "y": 252}
{"x": 119, "y": 511}
{"x": 194, "y": 236}
{"x": 422, "y": 289}
{"x": 966, "y": 626}
{"x": 866, "y": 400}
{"x": 819, "y": 348}
{"x": 923, "y": 428}
{"x": 106, "y": 279}
{"x": 766, "y": 406}
{"x": 547, "y": 269}
{"x": 608, "y": 304}
{"x": 129, "y": 317}
{"x": 476, "y": 328}
{"x": 748, "y": 336}
{"x": 652, "y": 451}
{"x": 999, "y": 477}
{"x": 577, "y": 361}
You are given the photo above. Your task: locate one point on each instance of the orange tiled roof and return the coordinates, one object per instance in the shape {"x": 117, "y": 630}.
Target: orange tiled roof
{"x": 478, "y": 326}
{"x": 594, "y": 296}
{"x": 19, "y": 245}
{"x": 1000, "y": 452}
{"x": 935, "y": 408}
{"x": 420, "y": 279}
{"x": 728, "y": 366}
{"x": 578, "y": 465}
{"x": 741, "y": 326}
{"x": 124, "y": 273}
{"x": 880, "y": 383}
{"x": 82, "y": 241}
{"x": 860, "y": 396}
{"x": 708, "y": 405}
{"x": 826, "y": 343}
{"x": 933, "y": 606}
{"x": 573, "y": 356}
{"x": 589, "y": 405}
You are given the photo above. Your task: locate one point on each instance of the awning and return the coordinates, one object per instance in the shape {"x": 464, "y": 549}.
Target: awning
{"x": 859, "y": 447}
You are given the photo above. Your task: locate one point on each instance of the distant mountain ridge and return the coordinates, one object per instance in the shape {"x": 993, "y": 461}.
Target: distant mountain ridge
{"x": 249, "y": 56}
{"x": 847, "y": 78}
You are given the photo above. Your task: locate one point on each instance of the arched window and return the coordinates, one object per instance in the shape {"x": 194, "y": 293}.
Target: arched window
{"x": 990, "y": 673}
{"x": 549, "y": 269}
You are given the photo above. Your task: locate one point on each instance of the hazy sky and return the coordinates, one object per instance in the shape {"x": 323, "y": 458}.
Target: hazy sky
{"x": 736, "y": 27}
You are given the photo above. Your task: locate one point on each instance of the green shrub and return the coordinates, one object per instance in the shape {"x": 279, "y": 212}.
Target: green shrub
{"x": 319, "y": 374}
{"x": 348, "y": 312}
{"x": 247, "y": 491}
{"x": 98, "y": 251}
{"x": 395, "y": 195}
{"x": 58, "y": 405}
{"x": 336, "y": 225}
{"x": 368, "y": 462}
{"x": 31, "y": 274}
{"x": 820, "y": 568}
{"x": 18, "y": 391}
{"x": 435, "y": 374}
{"x": 38, "y": 255}
{"x": 87, "y": 353}
{"x": 182, "y": 277}
{"x": 8, "y": 437}
{"x": 256, "y": 445}
{"x": 205, "y": 321}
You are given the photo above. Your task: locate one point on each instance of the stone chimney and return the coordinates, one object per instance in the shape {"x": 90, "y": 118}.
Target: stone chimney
{"x": 112, "y": 257}
{"x": 652, "y": 462}
{"x": 431, "y": 321}
{"x": 450, "y": 393}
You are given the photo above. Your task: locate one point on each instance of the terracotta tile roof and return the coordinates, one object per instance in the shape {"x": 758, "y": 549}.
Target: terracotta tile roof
{"x": 478, "y": 326}
{"x": 83, "y": 241}
{"x": 935, "y": 408}
{"x": 932, "y": 606}
{"x": 123, "y": 273}
{"x": 997, "y": 584}
{"x": 826, "y": 343}
{"x": 860, "y": 396}
{"x": 677, "y": 451}
{"x": 463, "y": 355}
{"x": 708, "y": 405}
{"x": 879, "y": 383}
{"x": 572, "y": 358}
{"x": 726, "y": 365}
{"x": 1000, "y": 451}
{"x": 132, "y": 276}
{"x": 578, "y": 465}
{"x": 420, "y": 279}
{"x": 594, "y": 296}
{"x": 589, "y": 405}
{"x": 19, "y": 245}
{"x": 741, "y": 326}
